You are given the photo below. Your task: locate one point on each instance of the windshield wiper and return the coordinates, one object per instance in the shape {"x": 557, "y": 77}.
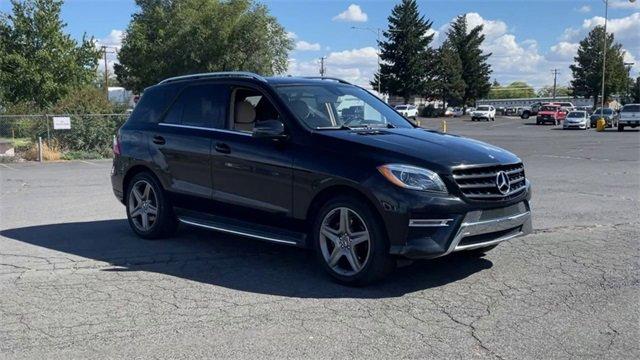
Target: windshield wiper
{"x": 341, "y": 127}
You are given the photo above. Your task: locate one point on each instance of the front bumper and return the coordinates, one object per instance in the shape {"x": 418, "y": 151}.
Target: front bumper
{"x": 626, "y": 122}
{"x": 570, "y": 125}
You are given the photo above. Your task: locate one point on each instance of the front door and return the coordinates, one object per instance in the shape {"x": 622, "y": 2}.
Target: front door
{"x": 252, "y": 178}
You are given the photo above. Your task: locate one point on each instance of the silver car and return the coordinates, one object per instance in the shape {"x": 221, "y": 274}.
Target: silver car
{"x": 629, "y": 116}
{"x": 576, "y": 120}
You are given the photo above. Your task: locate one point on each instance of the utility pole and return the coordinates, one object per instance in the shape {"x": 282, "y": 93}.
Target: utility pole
{"x": 322, "y": 68}
{"x": 604, "y": 49}
{"x": 555, "y": 77}
{"x": 106, "y": 73}
{"x": 378, "y": 32}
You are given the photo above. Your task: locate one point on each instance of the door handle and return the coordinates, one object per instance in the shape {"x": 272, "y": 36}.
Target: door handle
{"x": 158, "y": 140}
{"x": 223, "y": 148}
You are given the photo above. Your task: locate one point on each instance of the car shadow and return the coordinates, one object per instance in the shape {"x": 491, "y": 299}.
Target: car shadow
{"x": 230, "y": 261}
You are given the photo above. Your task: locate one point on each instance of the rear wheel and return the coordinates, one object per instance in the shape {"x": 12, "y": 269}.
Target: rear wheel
{"x": 149, "y": 211}
{"x": 525, "y": 115}
{"x": 620, "y": 127}
{"x": 350, "y": 243}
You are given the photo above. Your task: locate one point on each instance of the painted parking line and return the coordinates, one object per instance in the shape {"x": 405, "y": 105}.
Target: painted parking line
{"x": 88, "y": 162}
{"x": 8, "y": 167}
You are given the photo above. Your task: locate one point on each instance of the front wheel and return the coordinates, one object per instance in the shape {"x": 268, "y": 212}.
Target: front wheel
{"x": 149, "y": 211}
{"x": 620, "y": 127}
{"x": 350, "y": 242}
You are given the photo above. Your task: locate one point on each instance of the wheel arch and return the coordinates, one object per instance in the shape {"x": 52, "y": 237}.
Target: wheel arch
{"x": 133, "y": 171}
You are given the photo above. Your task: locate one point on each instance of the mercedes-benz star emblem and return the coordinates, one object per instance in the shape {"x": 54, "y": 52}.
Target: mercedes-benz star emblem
{"x": 503, "y": 183}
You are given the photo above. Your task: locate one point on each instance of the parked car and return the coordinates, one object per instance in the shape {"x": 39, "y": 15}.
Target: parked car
{"x": 576, "y": 120}
{"x": 550, "y": 113}
{"x": 511, "y": 111}
{"x": 484, "y": 112}
{"x": 457, "y": 112}
{"x": 531, "y": 111}
{"x": 629, "y": 116}
{"x": 448, "y": 111}
{"x": 608, "y": 114}
{"x": 469, "y": 110}
{"x": 566, "y": 106}
{"x": 408, "y": 111}
{"x": 272, "y": 159}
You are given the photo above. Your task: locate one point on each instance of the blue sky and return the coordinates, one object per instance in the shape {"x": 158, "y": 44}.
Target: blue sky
{"x": 527, "y": 38}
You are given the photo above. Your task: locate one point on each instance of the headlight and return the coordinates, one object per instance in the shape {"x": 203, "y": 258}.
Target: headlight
{"x": 411, "y": 177}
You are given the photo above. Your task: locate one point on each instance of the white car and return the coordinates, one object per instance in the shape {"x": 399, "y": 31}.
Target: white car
{"x": 408, "y": 111}
{"x": 576, "y": 120}
{"x": 457, "y": 112}
{"x": 484, "y": 112}
{"x": 629, "y": 116}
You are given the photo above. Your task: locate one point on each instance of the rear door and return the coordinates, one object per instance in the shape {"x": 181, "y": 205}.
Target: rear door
{"x": 182, "y": 140}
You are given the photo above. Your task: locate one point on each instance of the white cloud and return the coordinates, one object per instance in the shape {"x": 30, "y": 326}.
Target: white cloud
{"x": 563, "y": 51}
{"x": 306, "y": 46}
{"x": 356, "y": 65}
{"x": 113, "y": 42}
{"x": 291, "y": 35}
{"x": 624, "y": 4}
{"x": 584, "y": 9}
{"x": 353, "y": 13}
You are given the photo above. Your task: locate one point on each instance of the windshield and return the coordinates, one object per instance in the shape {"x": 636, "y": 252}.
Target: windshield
{"x": 331, "y": 106}
{"x": 549, "y": 108}
{"x": 483, "y": 108}
{"x": 576, "y": 114}
{"x": 631, "y": 108}
{"x": 606, "y": 111}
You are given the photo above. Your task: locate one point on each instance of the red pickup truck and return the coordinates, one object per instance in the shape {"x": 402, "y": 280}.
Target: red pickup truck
{"x": 551, "y": 113}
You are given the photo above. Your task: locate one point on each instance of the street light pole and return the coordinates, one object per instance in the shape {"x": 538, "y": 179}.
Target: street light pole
{"x": 604, "y": 50}
{"x": 378, "y": 32}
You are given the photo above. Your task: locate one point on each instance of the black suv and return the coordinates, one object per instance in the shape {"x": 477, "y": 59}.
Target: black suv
{"x": 316, "y": 163}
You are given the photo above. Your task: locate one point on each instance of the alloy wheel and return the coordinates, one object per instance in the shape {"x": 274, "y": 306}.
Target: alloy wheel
{"x": 143, "y": 205}
{"x": 345, "y": 241}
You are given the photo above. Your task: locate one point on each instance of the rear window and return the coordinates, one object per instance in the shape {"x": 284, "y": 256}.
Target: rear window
{"x": 550, "y": 108}
{"x": 631, "y": 108}
{"x": 401, "y": 107}
{"x": 153, "y": 104}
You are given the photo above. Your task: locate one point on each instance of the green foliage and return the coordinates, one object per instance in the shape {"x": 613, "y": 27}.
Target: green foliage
{"x": 39, "y": 63}
{"x": 475, "y": 69}
{"x": 168, "y": 38}
{"x": 88, "y": 133}
{"x": 449, "y": 85}
{"x": 515, "y": 90}
{"x": 635, "y": 91}
{"x": 407, "y": 60}
{"x": 587, "y": 69}
{"x": 547, "y": 91}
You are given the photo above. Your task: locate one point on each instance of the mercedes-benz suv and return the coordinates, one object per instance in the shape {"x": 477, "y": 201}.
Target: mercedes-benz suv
{"x": 288, "y": 160}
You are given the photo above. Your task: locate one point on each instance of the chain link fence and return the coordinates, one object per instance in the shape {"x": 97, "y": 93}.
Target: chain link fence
{"x": 88, "y": 135}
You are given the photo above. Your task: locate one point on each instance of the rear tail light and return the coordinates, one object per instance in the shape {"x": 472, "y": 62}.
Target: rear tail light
{"x": 116, "y": 146}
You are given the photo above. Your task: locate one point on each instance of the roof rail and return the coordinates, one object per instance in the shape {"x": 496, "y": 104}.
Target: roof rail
{"x": 213, "y": 75}
{"x": 328, "y": 78}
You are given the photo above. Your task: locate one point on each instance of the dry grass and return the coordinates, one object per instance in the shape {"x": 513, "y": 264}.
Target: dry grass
{"x": 50, "y": 152}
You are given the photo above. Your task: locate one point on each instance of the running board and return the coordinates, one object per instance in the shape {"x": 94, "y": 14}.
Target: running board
{"x": 254, "y": 231}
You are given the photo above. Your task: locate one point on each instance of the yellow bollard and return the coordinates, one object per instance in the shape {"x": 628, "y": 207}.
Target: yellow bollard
{"x": 444, "y": 126}
{"x": 600, "y": 124}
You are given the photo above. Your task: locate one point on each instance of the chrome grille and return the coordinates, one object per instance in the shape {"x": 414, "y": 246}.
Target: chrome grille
{"x": 479, "y": 182}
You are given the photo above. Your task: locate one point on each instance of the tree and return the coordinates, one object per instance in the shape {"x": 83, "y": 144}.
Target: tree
{"x": 449, "y": 85}
{"x": 39, "y": 63}
{"x": 587, "y": 69}
{"x": 475, "y": 69}
{"x": 175, "y": 37}
{"x": 515, "y": 90}
{"x": 547, "y": 91}
{"x": 635, "y": 91}
{"x": 407, "y": 60}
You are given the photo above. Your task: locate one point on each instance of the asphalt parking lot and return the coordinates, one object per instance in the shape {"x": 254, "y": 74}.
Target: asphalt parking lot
{"x": 75, "y": 282}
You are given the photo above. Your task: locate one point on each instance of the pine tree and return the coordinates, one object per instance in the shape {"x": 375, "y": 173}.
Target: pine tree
{"x": 587, "y": 69}
{"x": 407, "y": 60}
{"x": 476, "y": 71}
{"x": 449, "y": 85}
{"x": 39, "y": 63}
{"x": 635, "y": 91}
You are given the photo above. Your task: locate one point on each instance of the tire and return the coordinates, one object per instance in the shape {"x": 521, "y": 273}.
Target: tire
{"x": 538, "y": 122}
{"x": 493, "y": 119}
{"x": 525, "y": 115}
{"x": 335, "y": 242}
{"x": 620, "y": 127}
{"x": 479, "y": 252}
{"x": 146, "y": 198}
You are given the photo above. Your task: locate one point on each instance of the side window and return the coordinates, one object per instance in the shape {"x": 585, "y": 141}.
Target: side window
{"x": 200, "y": 105}
{"x": 153, "y": 104}
{"x": 250, "y": 107}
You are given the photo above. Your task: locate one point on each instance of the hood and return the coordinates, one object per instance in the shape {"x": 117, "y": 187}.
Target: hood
{"x": 547, "y": 112}
{"x": 434, "y": 150}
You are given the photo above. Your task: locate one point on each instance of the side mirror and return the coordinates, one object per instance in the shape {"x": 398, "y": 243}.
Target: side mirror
{"x": 271, "y": 129}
